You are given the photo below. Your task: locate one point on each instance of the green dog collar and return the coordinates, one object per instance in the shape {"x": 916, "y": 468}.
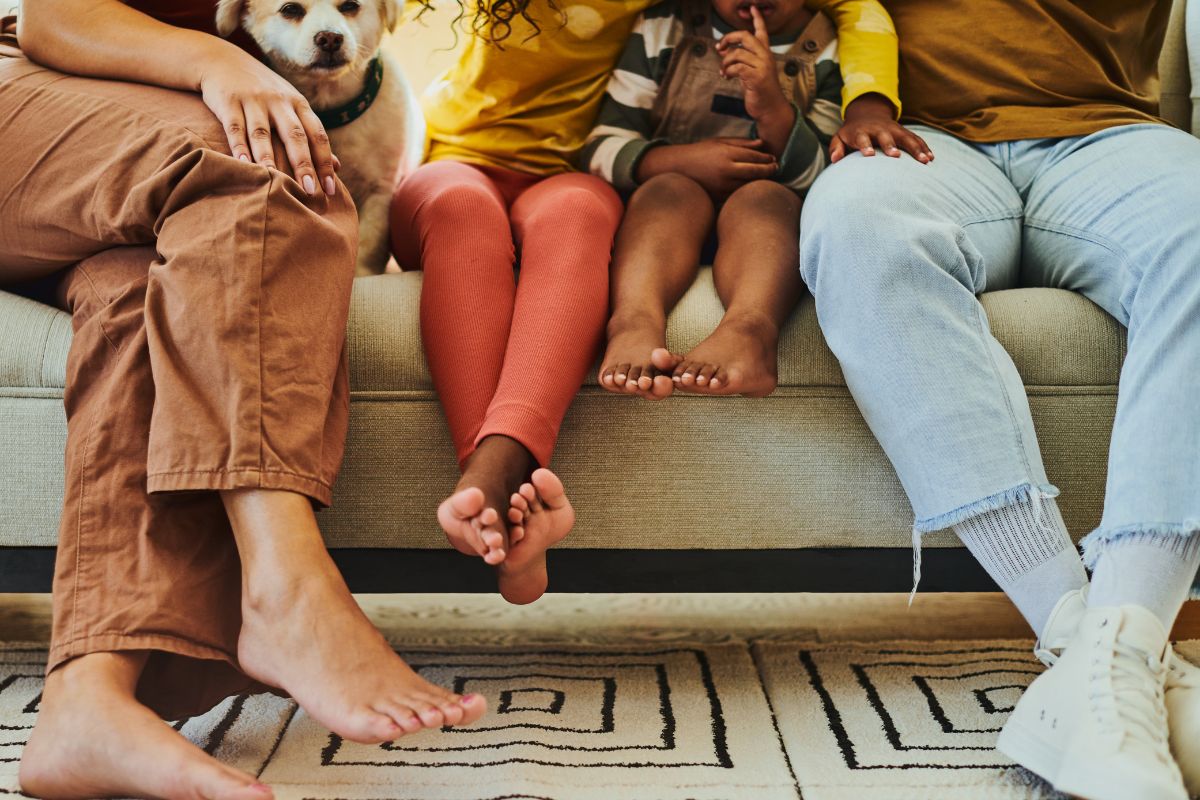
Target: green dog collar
{"x": 347, "y": 113}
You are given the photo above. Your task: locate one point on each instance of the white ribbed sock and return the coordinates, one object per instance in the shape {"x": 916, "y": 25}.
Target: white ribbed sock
{"x": 1152, "y": 570}
{"x": 1026, "y": 549}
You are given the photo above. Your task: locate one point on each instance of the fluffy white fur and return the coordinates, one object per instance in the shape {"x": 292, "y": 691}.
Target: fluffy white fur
{"x": 383, "y": 144}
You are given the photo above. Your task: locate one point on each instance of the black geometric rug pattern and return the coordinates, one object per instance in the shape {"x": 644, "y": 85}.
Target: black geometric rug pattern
{"x": 732, "y": 721}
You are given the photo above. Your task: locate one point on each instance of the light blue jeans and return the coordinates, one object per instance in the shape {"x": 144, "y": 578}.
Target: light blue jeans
{"x": 895, "y": 252}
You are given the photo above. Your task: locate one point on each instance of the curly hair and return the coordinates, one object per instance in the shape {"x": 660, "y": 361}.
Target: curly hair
{"x": 492, "y": 20}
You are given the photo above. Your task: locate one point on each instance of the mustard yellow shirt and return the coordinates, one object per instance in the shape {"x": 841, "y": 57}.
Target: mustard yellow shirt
{"x": 529, "y": 103}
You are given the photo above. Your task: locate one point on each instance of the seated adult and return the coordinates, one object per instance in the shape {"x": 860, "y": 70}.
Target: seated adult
{"x": 1052, "y": 169}
{"x": 209, "y": 272}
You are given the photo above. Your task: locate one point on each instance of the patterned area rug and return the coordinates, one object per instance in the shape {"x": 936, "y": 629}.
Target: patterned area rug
{"x": 755, "y": 721}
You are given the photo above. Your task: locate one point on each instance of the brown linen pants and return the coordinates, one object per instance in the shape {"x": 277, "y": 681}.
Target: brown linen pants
{"x": 210, "y": 298}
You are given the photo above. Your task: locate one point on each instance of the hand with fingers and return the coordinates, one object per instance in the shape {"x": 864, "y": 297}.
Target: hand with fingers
{"x": 720, "y": 166}
{"x": 252, "y": 102}
{"x": 746, "y": 57}
{"x": 871, "y": 123}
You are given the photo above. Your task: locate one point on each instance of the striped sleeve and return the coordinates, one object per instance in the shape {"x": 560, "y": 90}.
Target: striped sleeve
{"x": 806, "y": 152}
{"x": 623, "y": 127}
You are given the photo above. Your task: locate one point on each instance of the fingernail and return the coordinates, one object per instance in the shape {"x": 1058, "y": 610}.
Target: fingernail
{"x": 330, "y": 187}
{"x": 244, "y": 157}
{"x": 309, "y": 185}
{"x": 261, "y": 787}
{"x": 466, "y": 698}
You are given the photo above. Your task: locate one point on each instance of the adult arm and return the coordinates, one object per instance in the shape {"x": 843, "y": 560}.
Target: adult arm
{"x": 108, "y": 39}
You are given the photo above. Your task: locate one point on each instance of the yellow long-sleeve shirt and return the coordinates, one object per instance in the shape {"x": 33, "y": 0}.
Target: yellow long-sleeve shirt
{"x": 529, "y": 103}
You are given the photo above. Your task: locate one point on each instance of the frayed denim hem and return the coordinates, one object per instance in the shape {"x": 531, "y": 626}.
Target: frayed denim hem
{"x": 1098, "y": 541}
{"x": 1025, "y": 493}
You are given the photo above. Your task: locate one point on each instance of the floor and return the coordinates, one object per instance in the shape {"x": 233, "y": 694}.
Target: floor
{"x": 422, "y": 618}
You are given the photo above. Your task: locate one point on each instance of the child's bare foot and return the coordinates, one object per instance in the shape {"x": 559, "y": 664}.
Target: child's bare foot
{"x": 93, "y": 739}
{"x": 473, "y": 517}
{"x": 739, "y": 357}
{"x": 541, "y": 516}
{"x": 626, "y": 367}
{"x": 302, "y": 631}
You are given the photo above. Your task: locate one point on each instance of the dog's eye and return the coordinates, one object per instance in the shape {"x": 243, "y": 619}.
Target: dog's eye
{"x": 292, "y": 10}
{"x": 349, "y": 7}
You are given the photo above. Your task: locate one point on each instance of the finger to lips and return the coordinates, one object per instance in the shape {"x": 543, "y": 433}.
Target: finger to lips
{"x": 760, "y": 26}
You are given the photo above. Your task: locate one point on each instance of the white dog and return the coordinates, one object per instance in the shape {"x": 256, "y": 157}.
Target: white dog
{"x": 329, "y": 50}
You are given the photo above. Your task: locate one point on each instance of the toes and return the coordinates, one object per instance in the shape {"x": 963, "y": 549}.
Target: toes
{"x": 550, "y": 488}
{"x": 606, "y": 377}
{"x": 452, "y": 712}
{"x": 635, "y": 375}
{"x": 519, "y": 503}
{"x": 705, "y": 374}
{"x": 463, "y": 505}
{"x": 226, "y": 783}
{"x": 516, "y": 533}
{"x": 494, "y": 540}
{"x": 402, "y": 715}
{"x": 375, "y": 727}
{"x": 429, "y": 714}
{"x": 664, "y": 360}
{"x": 515, "y": 517}
{"x": 620, "y": 374}
{"x": 529, "y": 492}
{"x": 474, "y": 707}
{"x": 662, "y": 388}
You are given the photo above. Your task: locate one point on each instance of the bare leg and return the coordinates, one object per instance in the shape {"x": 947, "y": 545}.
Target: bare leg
{"x": 656, "y": 259}
{"x": 302, "y": 631}
{"x": 80, "y": 745}
{"x": 757, "y": 273}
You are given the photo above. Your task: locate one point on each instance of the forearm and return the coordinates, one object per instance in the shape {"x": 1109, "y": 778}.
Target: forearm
{"x": 867, "y": 48}
{"x": 660, "y": 160}
{"x": 108, "y": 39}
{"x": 776, "y": 129}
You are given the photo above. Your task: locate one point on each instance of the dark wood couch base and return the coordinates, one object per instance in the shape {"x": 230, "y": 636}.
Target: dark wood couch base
{"x": 30, "y": 569}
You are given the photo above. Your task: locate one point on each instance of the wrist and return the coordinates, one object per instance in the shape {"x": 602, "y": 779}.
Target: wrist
{"x": 655, "y": 160}
{"x": 870, "y": 106}
{"x": 775, "y": 128}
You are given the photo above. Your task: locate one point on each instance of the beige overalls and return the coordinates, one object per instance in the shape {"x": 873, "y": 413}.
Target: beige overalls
{"x": 698, "y": 104}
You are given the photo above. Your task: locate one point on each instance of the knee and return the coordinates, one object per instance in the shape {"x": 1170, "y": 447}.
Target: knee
{"x": 670, "y": 190}
{"x": 762, "y": 197}
{"x": 582, "y": 201}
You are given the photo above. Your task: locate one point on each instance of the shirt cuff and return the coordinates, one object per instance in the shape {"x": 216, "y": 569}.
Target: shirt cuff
{"x": 624, "y": 171}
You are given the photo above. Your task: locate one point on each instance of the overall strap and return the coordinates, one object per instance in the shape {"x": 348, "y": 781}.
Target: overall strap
{"x": 696, "y": 17}
{"x": 813, "y": 40}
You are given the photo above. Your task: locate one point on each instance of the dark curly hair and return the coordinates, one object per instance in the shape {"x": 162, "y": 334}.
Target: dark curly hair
{"x": 492, "y": 20}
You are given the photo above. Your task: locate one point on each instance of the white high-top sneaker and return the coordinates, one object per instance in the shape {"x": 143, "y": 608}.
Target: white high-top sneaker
{"x": 1183, "y": 715}
{"x": 1095, "y": 725}
{"x": 1182, "y": 689}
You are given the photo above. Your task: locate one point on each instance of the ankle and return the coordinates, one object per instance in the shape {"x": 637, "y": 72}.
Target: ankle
{"x": 501, "y": 456}
{"x": 752, "y": 322}
{"x": 95, "y": 672}
{"x": 637, "y": 318}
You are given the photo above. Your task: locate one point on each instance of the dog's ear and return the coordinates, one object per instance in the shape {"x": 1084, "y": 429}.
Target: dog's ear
{"x": 229, "y": 16}
{"x": 389, "y": 10}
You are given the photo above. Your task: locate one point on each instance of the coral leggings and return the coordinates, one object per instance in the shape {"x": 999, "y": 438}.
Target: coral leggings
{"x": 507, "y": 356}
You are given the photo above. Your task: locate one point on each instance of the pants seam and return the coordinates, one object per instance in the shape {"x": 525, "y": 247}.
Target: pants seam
{"x": 262, "y": 259}
{"x": 1012, "y": 415}
{"x": 1083, "y": 235}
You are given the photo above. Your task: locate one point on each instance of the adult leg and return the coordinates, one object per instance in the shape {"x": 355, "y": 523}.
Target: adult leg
{"x": 244, "y": 314}
{"x": 757, "y": 280}
{"x": 894, "y": 252}
{"x": 564, "y": 226}
{"x": 1115, "y": 216}
{"x": 451, "y": 220}
{"x": 656, "y": 259}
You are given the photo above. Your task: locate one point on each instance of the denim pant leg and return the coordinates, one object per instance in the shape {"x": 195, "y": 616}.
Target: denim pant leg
{"x": 1116, "y": 216}
{"x": 894, "y": 253}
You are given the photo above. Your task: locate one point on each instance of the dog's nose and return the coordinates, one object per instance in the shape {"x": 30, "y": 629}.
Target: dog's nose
{"x": 329, "y": 41}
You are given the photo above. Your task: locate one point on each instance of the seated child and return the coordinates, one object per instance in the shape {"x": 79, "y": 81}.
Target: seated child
{"x": 718, "y": 112}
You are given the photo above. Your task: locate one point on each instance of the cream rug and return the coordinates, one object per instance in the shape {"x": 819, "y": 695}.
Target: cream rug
{"x": 735, "y": 721}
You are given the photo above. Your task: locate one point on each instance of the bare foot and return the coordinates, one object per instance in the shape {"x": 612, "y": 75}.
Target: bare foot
{"x": 472, "y": 517}
{"x": 739, "y": 357}
{"x": 541, "y": 516}
{"x": 626, "y": 366}
{"x": 92, "y": 739}
{"x": 303, "y": 633}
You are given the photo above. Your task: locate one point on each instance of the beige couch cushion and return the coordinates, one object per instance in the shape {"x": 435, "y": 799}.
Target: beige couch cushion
{"x": 798, "y": 469}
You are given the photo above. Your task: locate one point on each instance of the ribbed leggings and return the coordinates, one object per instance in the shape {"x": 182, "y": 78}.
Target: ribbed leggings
{"x": 507, "y": 356}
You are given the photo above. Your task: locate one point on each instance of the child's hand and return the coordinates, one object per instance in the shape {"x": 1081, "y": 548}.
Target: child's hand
{"x": 720, "y": 166}
{"x": 747, "y": 57}
{"x": 870, "y": 122}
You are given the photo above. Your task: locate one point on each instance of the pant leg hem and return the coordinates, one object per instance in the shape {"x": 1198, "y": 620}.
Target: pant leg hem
{"x": 62, "y": 652}
{"x": 527, "y": 425}
{"x": 247, "y": 478}
{"x": 1096, "y": 543}
{"x": 1024, "y": 493}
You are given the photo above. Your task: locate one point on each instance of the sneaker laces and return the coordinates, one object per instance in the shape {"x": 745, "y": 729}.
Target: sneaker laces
{"x": 1138, "y": 700}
